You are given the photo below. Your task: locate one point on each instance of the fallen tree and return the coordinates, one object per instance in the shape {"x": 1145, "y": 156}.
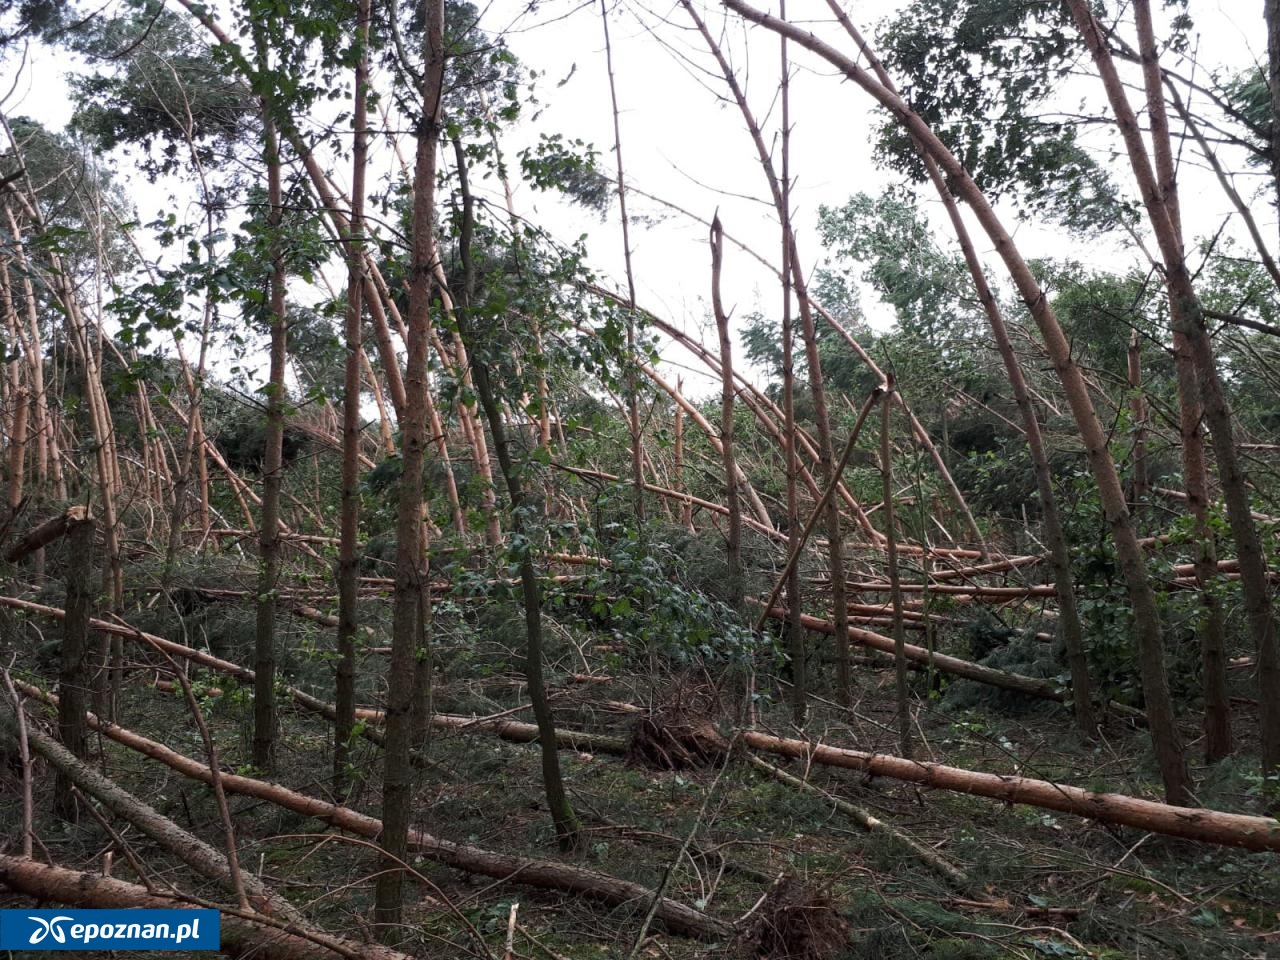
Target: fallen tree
{"x": 544, "y": 874}
{"x": 243, "y": 934}
{"x": 965, "y": 669}
{"x": 506, "y": 729}
{"x": 1208, "y": 826}
{"x": 195, "y": 853}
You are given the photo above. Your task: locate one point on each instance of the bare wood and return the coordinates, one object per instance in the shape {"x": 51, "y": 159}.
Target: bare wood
{"x": 45, "y": 533}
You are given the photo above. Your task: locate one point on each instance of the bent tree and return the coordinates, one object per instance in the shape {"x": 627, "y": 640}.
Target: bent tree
{"x": 1147, "y": 624}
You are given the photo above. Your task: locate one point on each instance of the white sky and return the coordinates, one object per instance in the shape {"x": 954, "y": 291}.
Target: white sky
{"x": 682, "y": 142}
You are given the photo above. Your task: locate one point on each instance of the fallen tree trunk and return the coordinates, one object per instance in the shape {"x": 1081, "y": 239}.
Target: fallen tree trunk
{"x": 195, "y": 853}
{"x": 45, "y": 533}
{"x": 1031, "y": 686}
{"x": 544, "y": 874}
{"x": 1208, "y": 826}
{"x": 927, "y": 855}
{"x": 506, "y": 729}
{"x": 243, "y": 935}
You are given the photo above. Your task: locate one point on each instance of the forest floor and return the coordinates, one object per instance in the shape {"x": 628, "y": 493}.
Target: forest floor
{"x": 1039, "y": 884}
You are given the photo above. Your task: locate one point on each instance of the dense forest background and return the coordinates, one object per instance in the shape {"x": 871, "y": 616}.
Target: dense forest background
{"x": 857, "y": 545}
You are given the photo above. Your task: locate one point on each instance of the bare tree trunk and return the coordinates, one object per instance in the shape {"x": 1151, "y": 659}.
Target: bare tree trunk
{"x": 264, "y": 695}
{"x": 407, "y": 604}
{"x": 895, "y": 588}
{"x": 1138, "y": 408}
{"x": 243, "y": 935}
{"x": 1210, "y": 826}
{"x": 17, "y": 449}
{"x": 1160, "y": 198}
{"x": 344, "y": 689}
{"x": 795, "y": 630}
{"x": 733, "y": 539}
{"x": 677, "y": 430}
{"x": 633, "y": 399}
{"x": 1071, "y": 631}
{"x": 1271, "y": 12}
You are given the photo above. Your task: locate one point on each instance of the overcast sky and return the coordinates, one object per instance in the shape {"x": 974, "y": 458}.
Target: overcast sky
{"x": 682, "y": 141}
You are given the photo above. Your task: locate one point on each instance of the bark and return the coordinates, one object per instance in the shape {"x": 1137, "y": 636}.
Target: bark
{"x": 1071, "y": 631}
{"x": 1271, "y": 12}
{"x": 1208, "y": 826}
{"x": 407, "y": 599}
{"x": 795, "y": 631}
{"x": 74, "y": 676}
{"x": 44, "y": 534}
{"x": 1031, "y": 686}
{"x": 902, "y": 694}
{"x": 344, "y": 689}
{"x": 191, "y": 850}
{"x": 1217, "y": 711}
{"x": 1138, "y": 409}
{"x": 633, "y": 399}
{"x": 927, "y": 855}
{"x": 748, "y": 491}
{"x": 17, "y": 447}
{"x": 1147, "y": 626}
{"x": 793, "y": 557}
{"x": 766, "y": 530}
{"x": 1188, "y": 320}
{"x": 248, "y": 936}
{"x": 264, "y": 696}
{"x": 677, "y": 430}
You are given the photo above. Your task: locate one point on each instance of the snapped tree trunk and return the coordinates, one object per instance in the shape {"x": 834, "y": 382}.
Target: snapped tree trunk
{"x": 733, "y": 538}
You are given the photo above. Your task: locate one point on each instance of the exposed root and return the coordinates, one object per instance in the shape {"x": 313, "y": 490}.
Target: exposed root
{"x": 797, "y": 922}
{"x": 679, "y": 733}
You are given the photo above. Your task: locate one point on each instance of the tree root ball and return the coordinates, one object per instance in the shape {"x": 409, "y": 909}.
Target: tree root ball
{"x": 797, "y": 922}
{"x": 679, "y": 732}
